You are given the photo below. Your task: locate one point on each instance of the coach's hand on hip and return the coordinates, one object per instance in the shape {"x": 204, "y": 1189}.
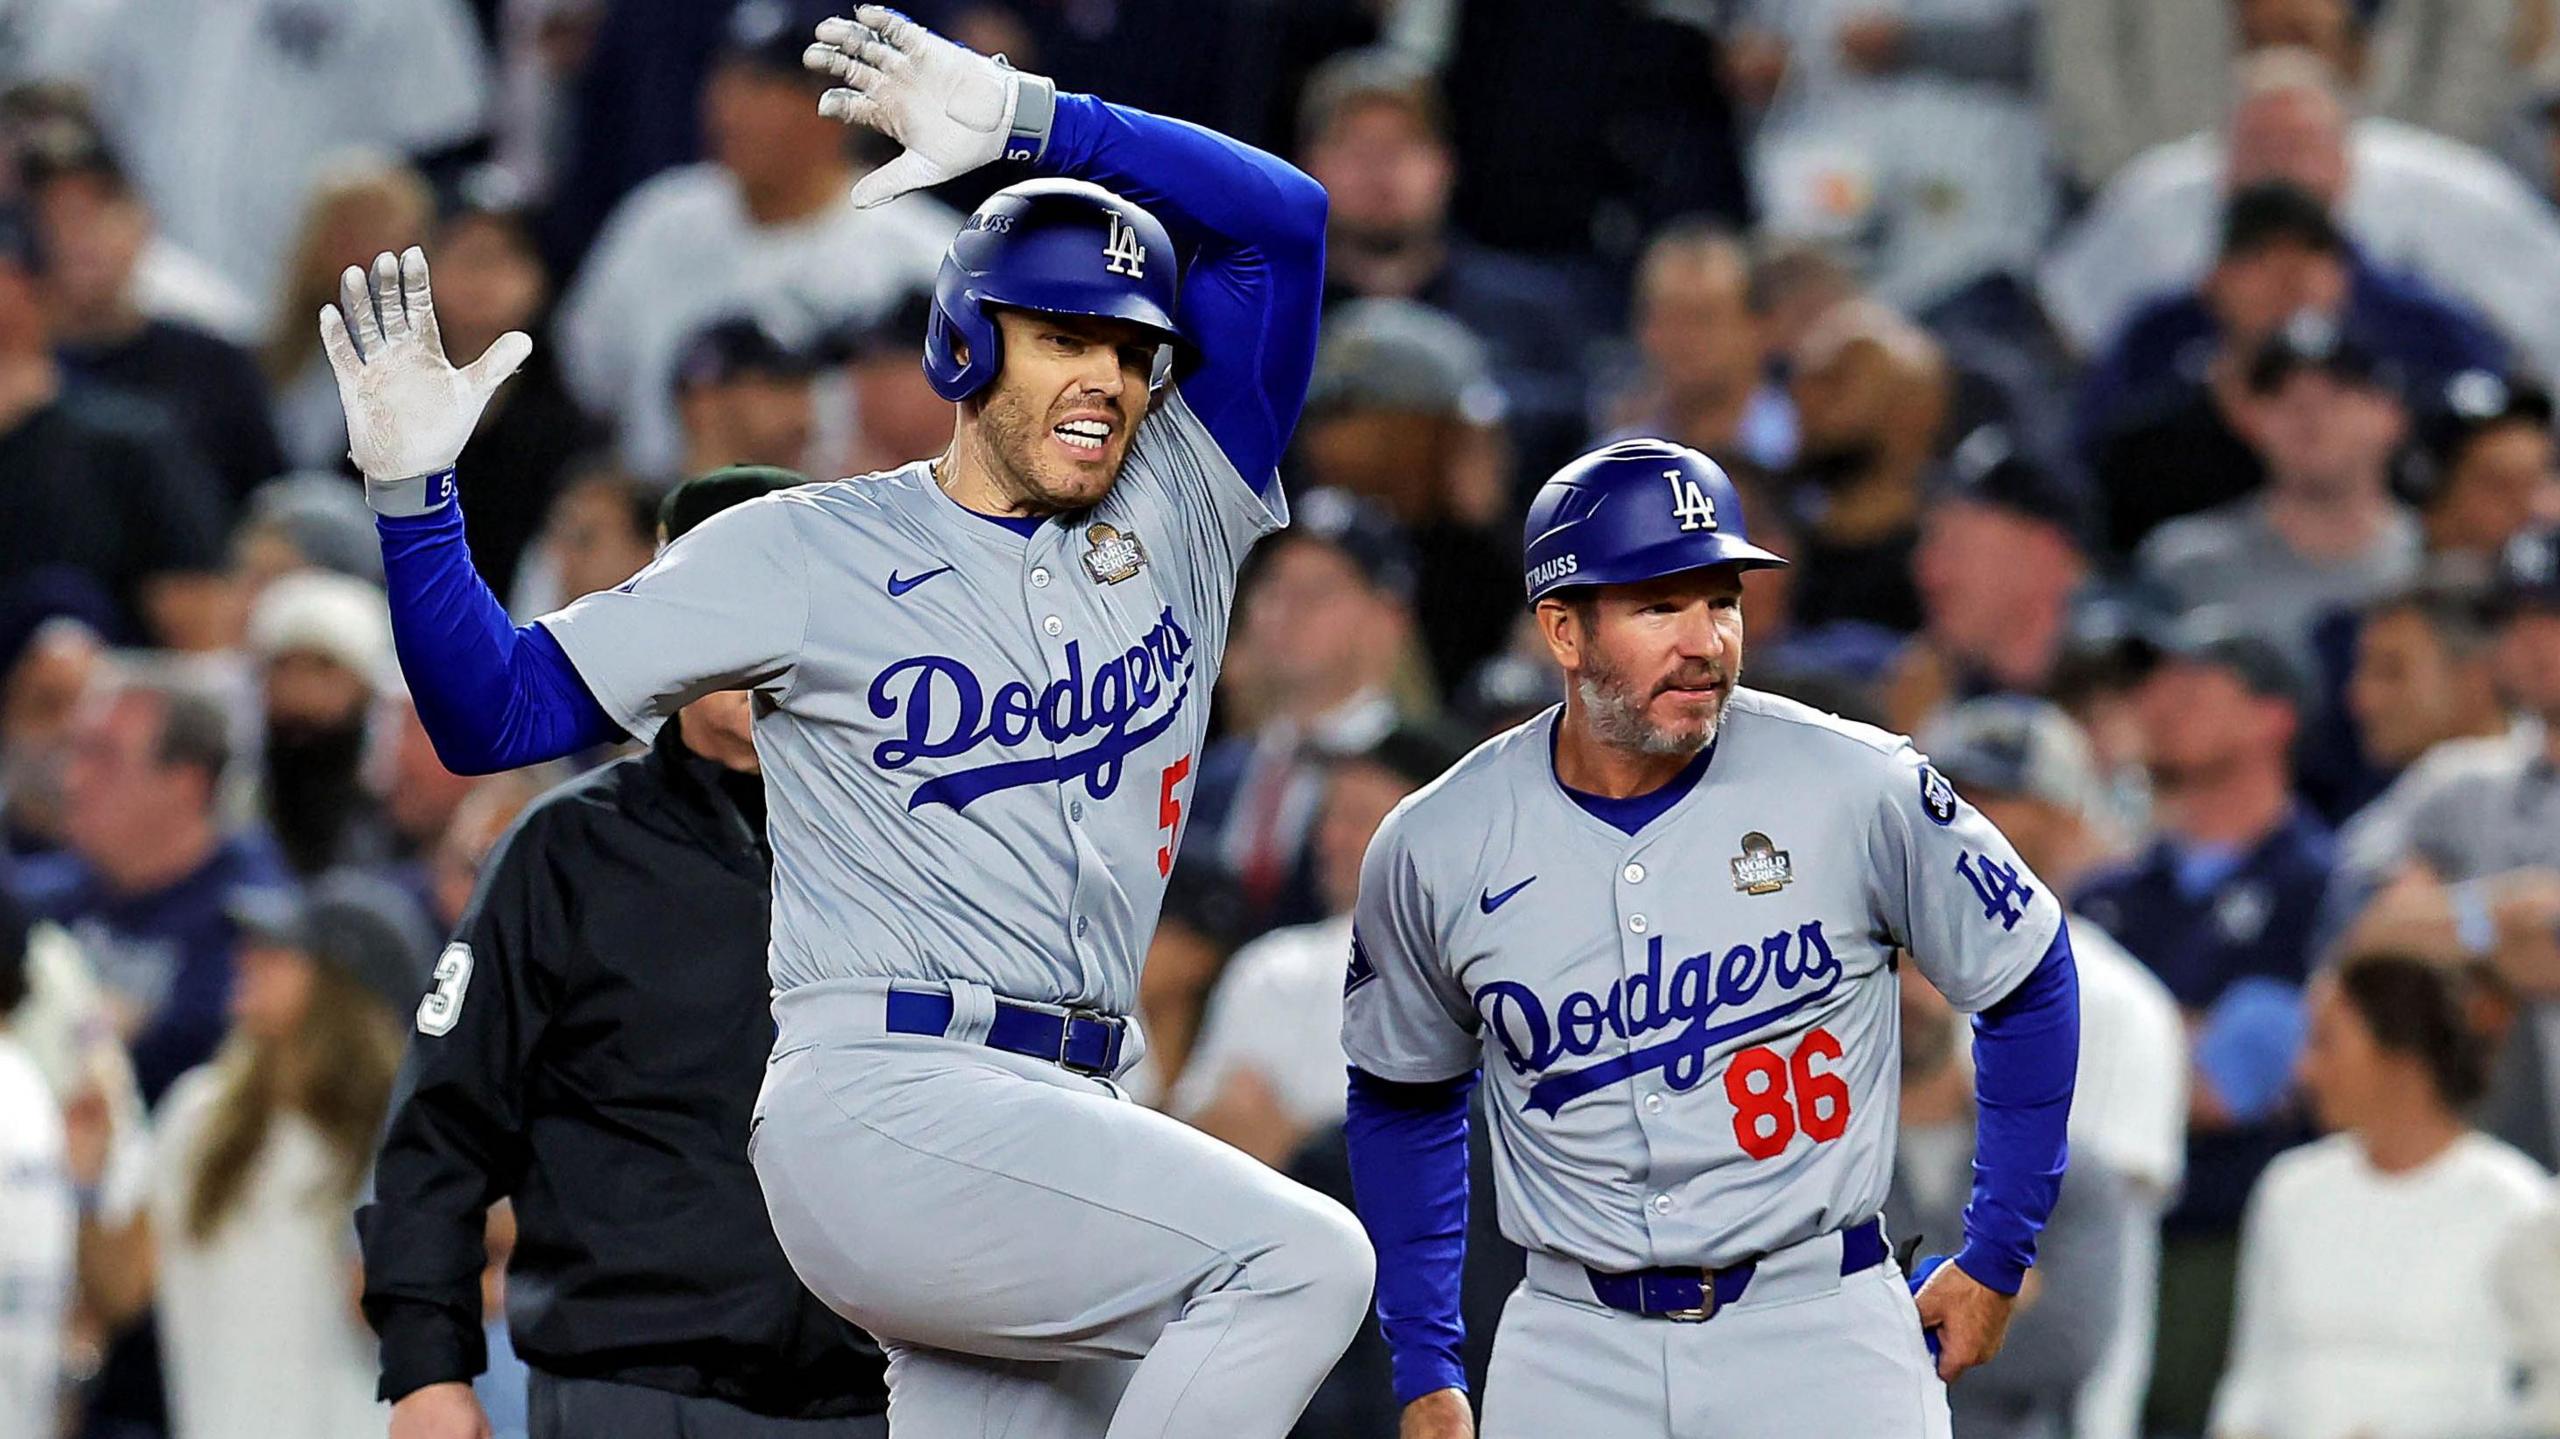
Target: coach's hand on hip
{"x": 952, "y": 108}
{"x": 409, "y": 411}
{"x": 1970, "y": 1319}
{"x": 1440, "y": 1414}
{"x": 439, "y": 1411}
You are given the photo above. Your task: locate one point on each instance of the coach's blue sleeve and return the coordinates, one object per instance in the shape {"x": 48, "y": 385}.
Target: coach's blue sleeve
{"x": 491, "y": 696}
{"x": 2026, "y": 1058}
{"x": 1253, "y": 225}
{"x": 1408, "y": 1145}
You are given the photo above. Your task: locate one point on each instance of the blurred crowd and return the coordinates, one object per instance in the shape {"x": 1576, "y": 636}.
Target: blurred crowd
{"x": 2154, "y": 396}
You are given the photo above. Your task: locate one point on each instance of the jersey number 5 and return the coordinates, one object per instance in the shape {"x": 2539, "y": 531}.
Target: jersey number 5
{"x": 1773, "y": 1098}
{"x": 1169, "y": 813}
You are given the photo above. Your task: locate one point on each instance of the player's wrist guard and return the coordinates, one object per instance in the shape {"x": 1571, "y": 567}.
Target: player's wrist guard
{"x": 416, "y": 495}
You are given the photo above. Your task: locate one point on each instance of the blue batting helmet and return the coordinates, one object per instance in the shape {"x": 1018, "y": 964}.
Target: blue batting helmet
{"x": 1635, "y": 510}
{"x": 1062, "y": 247}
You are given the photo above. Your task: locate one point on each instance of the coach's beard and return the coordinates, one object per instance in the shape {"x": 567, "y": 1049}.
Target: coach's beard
{"x": 1619, "y": 720}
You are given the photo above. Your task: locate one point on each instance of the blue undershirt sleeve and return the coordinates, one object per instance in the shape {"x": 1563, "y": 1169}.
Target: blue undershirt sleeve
{"x": 1253, "y": 226}
{"x": 491, "y": 695}
{"x": 1408, "y": 1145}
{"x": 2026, "y": 1056}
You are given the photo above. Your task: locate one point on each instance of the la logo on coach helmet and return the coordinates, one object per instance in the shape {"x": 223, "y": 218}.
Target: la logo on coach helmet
{"x": 1122, "y": 252}
{"x": 1690, "y": 505}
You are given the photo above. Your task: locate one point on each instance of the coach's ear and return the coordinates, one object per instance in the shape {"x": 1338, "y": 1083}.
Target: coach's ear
{"x": 1561, "y": 627}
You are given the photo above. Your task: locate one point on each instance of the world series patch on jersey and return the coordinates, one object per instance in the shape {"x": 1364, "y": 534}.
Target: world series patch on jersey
{"x": 1690, "y": 1033}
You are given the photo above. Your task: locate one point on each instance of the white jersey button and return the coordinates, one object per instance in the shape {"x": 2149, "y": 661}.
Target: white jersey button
{"x": 1662, "y": 1204}
{"x": 1082, "y": 924}
{"x": 1053, "y": 624}
{"x": 1653, "y": 1104}
{"x": 1075, "y": 809}
{"x": 1040, "y": 579}
{"x": 1636, "y": 922}
{"x": 1633, "y": 873}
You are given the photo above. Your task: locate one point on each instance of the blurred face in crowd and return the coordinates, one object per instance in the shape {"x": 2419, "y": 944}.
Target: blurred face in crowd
{"x": 2325, "y": 437}
{"x": 2296, "y": 134}
{"x": 24, "y": 330}
{"x": 902, "y": 418}
{"x": 2200, "y": 722}
{"x": 479, "y": 822}
{"x": 2038, "y": 830}
{"x": 1357, "y": 797}
{"x": 2503, "y": 483}
{"x": 2346, "y": 1072}
{"x": 488, "y": 281}
{"x": 1980, "y": 567}
{"x": 2252, "y": 294}
{"x": 2407, "y": 691}
{"x": 418, "y": 793}
{"x": 1652, "y": 663}
{"x": 1057, "y": 423}
{"x": 37, "y": 707}
{"x": 2529, "y": 661}
{"x": 764, "y": 127}
{"x": 93, "y": 235}
{"x": 597, "y": 538}
{"x": 1388, "y": 175}
{"x": 309, "y": 690}
{"x": 749, "y": 419}
{"x": 1317, "y": 629}
{"x": 1420, "y": 468}
{"x": 122, "y": 797}
{"x": 271, "y": 989}
{"x": 1695, "y": 323}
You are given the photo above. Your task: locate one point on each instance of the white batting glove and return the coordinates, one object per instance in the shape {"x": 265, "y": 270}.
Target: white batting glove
{"x": 952, "y": 109}
{"x": 409, "y": 411}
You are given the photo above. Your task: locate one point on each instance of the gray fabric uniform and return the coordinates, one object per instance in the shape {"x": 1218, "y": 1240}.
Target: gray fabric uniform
{"x": 977, "y": 752}
{"x": 2230, "y": 555}
{"x": 1691, "y": 1048}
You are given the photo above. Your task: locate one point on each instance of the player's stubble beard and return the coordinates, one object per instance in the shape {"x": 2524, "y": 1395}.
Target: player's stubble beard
{"x": 1009, "y": 438}
{"x": 1617, "y": 717}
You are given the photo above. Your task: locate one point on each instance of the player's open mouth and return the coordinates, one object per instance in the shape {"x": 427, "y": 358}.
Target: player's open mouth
{"x": 1086, "y": 435}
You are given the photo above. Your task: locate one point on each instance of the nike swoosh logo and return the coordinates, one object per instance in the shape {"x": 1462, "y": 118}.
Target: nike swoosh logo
{"x": 899, "y": 586}
{"x": 1492, "y": 901}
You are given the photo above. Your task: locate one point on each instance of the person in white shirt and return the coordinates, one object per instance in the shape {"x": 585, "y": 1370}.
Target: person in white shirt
{"x": 1267, "y": 1071}
{"x": 766, "y": 227}
{"x": 2368, "y": 1259}
{"x": 242, "y": 1236}
{"x": 35, "y": 1214}
{"x": 2451, "y": 213}
{"x": 227, "y": 111}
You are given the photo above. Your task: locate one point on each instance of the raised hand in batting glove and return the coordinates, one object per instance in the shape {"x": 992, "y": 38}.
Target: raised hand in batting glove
{"x": 953, "y": 109}
{"x": 409, "y": 411}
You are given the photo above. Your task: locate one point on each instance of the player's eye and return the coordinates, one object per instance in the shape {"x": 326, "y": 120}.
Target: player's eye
{"x": 1138, "y": 357}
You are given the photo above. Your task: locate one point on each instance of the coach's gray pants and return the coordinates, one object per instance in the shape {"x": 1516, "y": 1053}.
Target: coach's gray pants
{"x": 1015, "y": 1235}
{"x": 563, "y": 1408}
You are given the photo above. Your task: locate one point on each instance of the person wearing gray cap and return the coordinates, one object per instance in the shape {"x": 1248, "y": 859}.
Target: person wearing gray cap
{"x": 238, "y": 1236}
{"x": 2082, "y": 1364}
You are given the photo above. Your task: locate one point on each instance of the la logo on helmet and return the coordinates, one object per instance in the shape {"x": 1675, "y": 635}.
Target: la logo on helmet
{"x": 1121, "y": 252}
{"x": 1690, "y": 505}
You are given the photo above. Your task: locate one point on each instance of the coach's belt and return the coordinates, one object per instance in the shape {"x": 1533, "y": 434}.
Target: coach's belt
{"x": 1080, "y": 1041}
{"x": 1693, "y": 1295}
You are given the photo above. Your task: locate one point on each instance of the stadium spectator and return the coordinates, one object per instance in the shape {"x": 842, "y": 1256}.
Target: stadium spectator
{"x": 602, "y": 529}
{"x": 2410, "y": 200}
{"x": 36, "y": 1220}
{"x": 231, "y": 113}
{"x": 1403, "y": 413}
{"x": 238, "y": 1237}
{"x": 1373, "y": 130}
{"x": 767, "y": 226}
{"x": 1705, "y": 380}
{"x": 95, "y": 232}
{"x": 2484, "y": 473}
{"x": 302, "y": 522}
{"x": 897, "y": 417}
{"x": 1911, "y": 132}
{"x": 744, "y": 397}
{"x": 2159, "y": 412}
{"x": 418, "y": 795}
{"x": 322, "y": 645}
{"x": 2325, "y": 533}
{"x": 147, "y": 873}
{"x": 2030, "y": 771}
{"x": 2422, "y": 678}
{"x": 2220, "y": 906}
{"x": 2123, "y": 76}
{"x": 1323, "y": 623}
{"x": 358, "y": 206}
{"x": 39, "y": 695}
{"x": 2401, "y": 1341}
{"x": 490, "y": 279}
{"x": 1871, "y": 392}
{"x": 1999, "y": 563}
{"x": 2521, "y": 1280}
{"x": 488, "y": 809}
{"x": 1266, "y": 1072}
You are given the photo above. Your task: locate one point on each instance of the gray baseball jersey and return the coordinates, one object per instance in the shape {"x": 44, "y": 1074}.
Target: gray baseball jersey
{"x": 977, "y": 748}
{"x": 1690, "y": 1032}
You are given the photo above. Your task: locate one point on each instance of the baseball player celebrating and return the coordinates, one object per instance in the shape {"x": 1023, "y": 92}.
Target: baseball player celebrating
{"x": 981, "y": 683}
{"x": 1664, "y": 918}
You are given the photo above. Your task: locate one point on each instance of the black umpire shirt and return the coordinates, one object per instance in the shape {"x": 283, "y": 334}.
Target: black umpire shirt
{"x": 593, "y": 1049}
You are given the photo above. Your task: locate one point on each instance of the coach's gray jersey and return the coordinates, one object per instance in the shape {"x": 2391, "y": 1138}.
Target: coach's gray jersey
{"x": 1690, "y": 1032}
{"x": 977, "y": 749}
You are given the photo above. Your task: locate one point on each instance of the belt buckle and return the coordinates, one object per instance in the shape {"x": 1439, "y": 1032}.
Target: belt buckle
{"x": 1706, "y": 1309}
{"x": 1066, "y": 1040}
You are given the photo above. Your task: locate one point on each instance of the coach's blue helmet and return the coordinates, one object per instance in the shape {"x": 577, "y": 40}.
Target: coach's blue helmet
{"x": 1061, "y": 247}
{"x": 1635, "y": 510}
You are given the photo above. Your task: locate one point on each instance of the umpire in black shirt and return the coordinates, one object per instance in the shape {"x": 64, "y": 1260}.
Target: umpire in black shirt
{"x": 592, "y": 1049}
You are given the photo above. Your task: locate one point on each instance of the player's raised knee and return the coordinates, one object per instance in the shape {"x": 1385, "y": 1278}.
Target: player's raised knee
{"x": 1325, "y": 1256}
